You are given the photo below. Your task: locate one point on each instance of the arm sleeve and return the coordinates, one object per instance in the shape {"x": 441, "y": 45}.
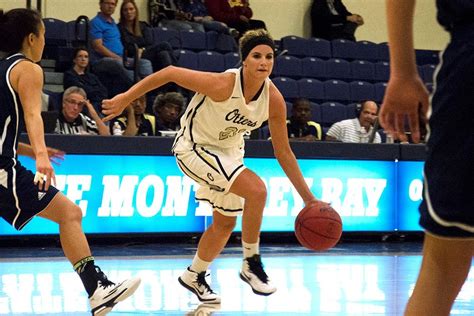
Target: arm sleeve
{"x": 335, "y": 131}
{"x": 95, "y": 32}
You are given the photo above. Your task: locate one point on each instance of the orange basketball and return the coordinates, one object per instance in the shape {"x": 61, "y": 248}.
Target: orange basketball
{"x": 318, "y": 227}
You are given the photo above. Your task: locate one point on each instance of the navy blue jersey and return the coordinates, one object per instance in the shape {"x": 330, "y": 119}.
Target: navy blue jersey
{"x": 455, "y": 12}
{"x": 11, "y": 111}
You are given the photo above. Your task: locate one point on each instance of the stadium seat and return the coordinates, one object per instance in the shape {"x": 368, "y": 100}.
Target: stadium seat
{"x": 311, "y": 89}
{"x": 315, "y": 112}
{"x": 366, "y": 50}
{"x": 427, "y": 56}
{"x": 232, "y": 60}
{"x": 382, "y": 52}
{"x": 362, "y": 70}
{"x": 427, "y": 73}
{"x": 193, "y": 40}
{"x": 264, "y": 132}
{"x": 77, "y": 35}
{"x": 287, "y": 86}
{"x": 225, "y": 43}
{"x": 56, "y": 32}
{"x": 361, "y": 90}
{"x": 164, "y": 34}
{"x": 351, "y": 110}
{"x": 318, "y": 47}
{"x": 338, "y": 69}
{"x": 287, "y": 66}
{"x": 313, "y": 67}
{"x": 289, "y": 107}
{"x": 187, "y": 59}
{"x": 211, "y": 61}
{"x": 332, "y": 112}
{"x": 382, "y": 71}
{"x": 342, "y": 48}
{"x": 336, "y": 90}
{"x": 294, "y": 45}
{"x": 379, "y": 89}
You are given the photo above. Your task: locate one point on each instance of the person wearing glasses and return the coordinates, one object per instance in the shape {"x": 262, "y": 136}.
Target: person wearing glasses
{"x": 72, "y": 121}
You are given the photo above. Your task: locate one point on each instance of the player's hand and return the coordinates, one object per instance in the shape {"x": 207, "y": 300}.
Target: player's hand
{"x": 114, "y": 107}
{"x": 44, "y": 176}
{"x": 56, "y": 156}
{"x": 406, "y": 100}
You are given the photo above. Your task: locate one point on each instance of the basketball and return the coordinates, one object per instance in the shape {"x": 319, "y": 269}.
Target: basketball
{"x": 318, "y": 227}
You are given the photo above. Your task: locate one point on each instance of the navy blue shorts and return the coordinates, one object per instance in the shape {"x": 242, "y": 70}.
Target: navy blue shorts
{"x": 20, "y": 199}
{"x": 447, "y": 209}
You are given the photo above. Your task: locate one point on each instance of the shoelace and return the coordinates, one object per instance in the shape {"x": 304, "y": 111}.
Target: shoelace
{"x": 201, "y": 280}
{"x": 103, "y": 281}
{"x": 256, "y": 266}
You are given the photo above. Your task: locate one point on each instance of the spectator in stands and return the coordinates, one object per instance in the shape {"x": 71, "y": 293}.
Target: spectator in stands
{"x": 168, "y": 13}
{"x": 168, "y": 108}
{"x": 299, "y": 126}
{"x": 235, "y": 13}
{"x": 330, "y": 20}
{"x": 199, "y": 14}
{"x": 80, "y": 76}
{"x": 72, "y": 121}
{"x": 133, "y": 31}
{"x": 134, "y": 121}
{"x": 359, "y": 129}
{"x": 107, "y": 60}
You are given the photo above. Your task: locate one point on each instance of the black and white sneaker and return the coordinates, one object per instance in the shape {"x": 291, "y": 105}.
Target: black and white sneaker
{"x": 196, "y": 283}
{"x": 108, "y": 294}
{"x": 253, "y": 273}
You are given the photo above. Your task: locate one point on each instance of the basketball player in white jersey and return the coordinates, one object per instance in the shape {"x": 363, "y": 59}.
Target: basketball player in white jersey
{"x": 209, "y": 149}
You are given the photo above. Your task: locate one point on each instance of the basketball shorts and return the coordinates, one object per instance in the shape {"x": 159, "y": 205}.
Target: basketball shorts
{"x": 214, "y": 169}
{"x": 20, "y": 198}
{"x": 447, "y": 209}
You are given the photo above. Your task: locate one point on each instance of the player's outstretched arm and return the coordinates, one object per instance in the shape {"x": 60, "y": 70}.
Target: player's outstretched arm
{"x": 406, "y": 96}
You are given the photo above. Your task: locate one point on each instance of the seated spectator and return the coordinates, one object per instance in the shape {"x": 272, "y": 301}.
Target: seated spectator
{"x": 299, "y": 126}
{"x": 168, "y": 14}
{"x": 80, "y": 76}
{"x": 167, "y": 108}
{"x": 235, "y": 13}
{"x": 199, "y": 14}
{"x": 359, "y": 129}
{"x": 133, "y": 31}
{"x": 71, "y": 121}
{"x": 135, "y": 122}
{"x": 330, "y": 20}
{"x": 108, "y": 51}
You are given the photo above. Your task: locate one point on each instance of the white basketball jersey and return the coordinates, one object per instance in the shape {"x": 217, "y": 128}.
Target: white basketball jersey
{"x": 222, "y": 124}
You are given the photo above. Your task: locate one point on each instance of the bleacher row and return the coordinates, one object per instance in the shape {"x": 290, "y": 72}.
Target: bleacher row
{"x": 333, "y": 75}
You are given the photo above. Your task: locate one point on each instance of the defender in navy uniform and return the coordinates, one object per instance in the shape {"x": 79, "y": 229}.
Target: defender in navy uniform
{"x": 23, "y": 194}
{"x": 447, "y": 210}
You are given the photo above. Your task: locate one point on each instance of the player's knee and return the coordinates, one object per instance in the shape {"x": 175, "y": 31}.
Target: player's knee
{"x": 224, "y": 227}
{"x": 260, "y": 192}
{"x": 72, "y": 213}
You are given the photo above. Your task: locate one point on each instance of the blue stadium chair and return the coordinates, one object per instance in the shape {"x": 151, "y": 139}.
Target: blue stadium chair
{"x": 225, "y": 43}
{"x": 211, "y": 40}
{"x": 77, "y": 33}
{"x": 193, "y": 40}
{"x": 187, "y": 59}
{"x": 342, "y": 48}
{"x": 427, "y": 73}
{"x": 426, "y": 56}
{"x": 351, "y": 110}
{"x": 318, "y": 47}
{"x": 316, "y": 115}
{"x": 313, "y": 67}
{"x": 56, "y": 32}
{"x": 382, "y": 71}
{"x": 232, "y": 60}
{"x": 382, "y": 52}
{"x": 289, "y": 108}
{"x": 363, "y": 70}
{"x": 379, "y": 88}
{"x": 366, "y": 50}
{"x": 311, "y": 89}
{"x": 338, "y": 69}
{"x": 336, "y": 90}
{"x": 294, "y": 45}
{"x": 211, "y": 61}
{"x": 287, "y": 66}
{"x": 332, "y": 112}
{"x": 264, "y": 132}
{"x": 164, "y": 34}
{"x": 361, "y": 90}
{"x": 287, "y": 86}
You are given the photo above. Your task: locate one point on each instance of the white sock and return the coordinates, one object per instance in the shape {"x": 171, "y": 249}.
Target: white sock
{"x": 250, "y": 249}
{"x": 199, "y": 265}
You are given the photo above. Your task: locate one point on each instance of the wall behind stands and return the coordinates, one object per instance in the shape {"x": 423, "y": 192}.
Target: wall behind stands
{"x": 283, "y": 17}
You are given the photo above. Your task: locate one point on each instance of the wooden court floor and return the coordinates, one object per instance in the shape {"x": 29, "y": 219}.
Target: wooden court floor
{"x": 351, "y": 279}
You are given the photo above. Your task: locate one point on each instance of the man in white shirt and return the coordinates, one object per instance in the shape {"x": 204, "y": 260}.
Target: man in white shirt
{"x": 358, "y": 129}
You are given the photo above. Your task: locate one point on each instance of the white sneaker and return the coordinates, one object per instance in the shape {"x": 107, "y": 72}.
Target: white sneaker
{"x": 196, "y": 283}
{"x": 107, "y": 295}
{"x": 205, "y": 309}
{"x": 253, "y": 273}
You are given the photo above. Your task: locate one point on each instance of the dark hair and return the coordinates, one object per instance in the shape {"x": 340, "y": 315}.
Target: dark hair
{"x": 79, "y": 49}
{"x": 169, "y": 97}
{"x": 15, "y": 25}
